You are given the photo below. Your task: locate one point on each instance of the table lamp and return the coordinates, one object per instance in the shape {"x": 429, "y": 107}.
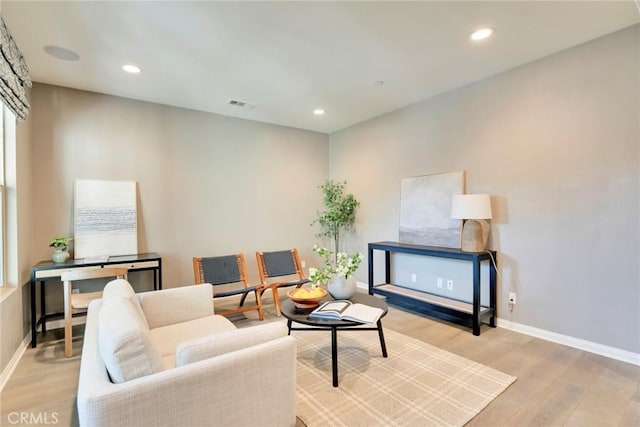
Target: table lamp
{"x": 474, "y": 209}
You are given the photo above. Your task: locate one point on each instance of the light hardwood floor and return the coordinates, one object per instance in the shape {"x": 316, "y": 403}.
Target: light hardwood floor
{"x": 556, "y": 385}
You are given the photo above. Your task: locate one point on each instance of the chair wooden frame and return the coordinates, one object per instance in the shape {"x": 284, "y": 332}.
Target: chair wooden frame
{"x": 80, "y": 302}
{"x": 264, "y": 276}
{"x": 198, "y": 273}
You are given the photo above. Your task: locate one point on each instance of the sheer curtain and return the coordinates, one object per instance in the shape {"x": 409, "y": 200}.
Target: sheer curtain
{"x": 14, "y": 75}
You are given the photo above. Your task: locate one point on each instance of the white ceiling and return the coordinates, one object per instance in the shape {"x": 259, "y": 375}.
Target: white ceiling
{"x": 292, "y": 57}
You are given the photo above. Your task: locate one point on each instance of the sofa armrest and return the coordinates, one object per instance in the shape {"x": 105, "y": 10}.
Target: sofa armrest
{"x": 236, "y": 388}
{"x": 228, "y": 341}
{"x": 177, "y": 305}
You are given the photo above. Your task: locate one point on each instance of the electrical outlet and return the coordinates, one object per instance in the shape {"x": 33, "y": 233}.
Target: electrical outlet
{"x": 450, "y": 284}
{"x": 512, "y": 298}
{"x": 304, "y": 263}
{"x": 439, "y": 282}
{"x": 413, "y": 278}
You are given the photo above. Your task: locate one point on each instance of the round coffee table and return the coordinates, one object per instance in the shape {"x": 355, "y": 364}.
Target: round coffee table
{"x": 298, "y": 315}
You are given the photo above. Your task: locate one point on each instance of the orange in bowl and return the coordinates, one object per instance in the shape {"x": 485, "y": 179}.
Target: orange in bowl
{"x": 306, "y": 297}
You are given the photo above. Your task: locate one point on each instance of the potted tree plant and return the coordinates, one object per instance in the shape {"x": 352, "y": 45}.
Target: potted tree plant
{"x": 339, "y": 214}
{"x": 60, "y": 245}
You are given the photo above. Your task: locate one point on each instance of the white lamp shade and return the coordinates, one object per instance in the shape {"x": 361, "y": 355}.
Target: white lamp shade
{"x": 471, "y": 206}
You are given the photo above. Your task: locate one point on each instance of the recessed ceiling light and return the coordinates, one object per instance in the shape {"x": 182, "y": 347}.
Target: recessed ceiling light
{"x": 61, "y": 53}
{"x": 318, "y": 111}
{"x": 133, "y": 69}
{"x": 481, "y": 34}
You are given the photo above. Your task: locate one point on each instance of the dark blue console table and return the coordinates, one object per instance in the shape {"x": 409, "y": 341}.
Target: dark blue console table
{"x": 469, "y": 314}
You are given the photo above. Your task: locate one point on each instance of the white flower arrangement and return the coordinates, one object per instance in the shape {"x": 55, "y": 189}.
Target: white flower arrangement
{"x": 342, "y": 265}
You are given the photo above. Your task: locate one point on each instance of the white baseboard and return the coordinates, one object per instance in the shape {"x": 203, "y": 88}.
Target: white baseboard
{"x": 580, "y": 344}
{"x": 13, "y": 363}
{"x": 590, "y": 346}
{"x": 362, "y": 285}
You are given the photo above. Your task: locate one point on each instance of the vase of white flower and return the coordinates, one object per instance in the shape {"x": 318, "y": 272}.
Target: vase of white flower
{"x": 340, "y": 287}
{"x": 336, "y": 272}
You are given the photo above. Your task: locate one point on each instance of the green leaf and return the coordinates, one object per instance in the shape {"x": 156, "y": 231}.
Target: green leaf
{"x": 340, "y": 210}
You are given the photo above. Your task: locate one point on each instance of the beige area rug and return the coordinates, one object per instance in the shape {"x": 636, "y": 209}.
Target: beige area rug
{"x": 417, "y": 385}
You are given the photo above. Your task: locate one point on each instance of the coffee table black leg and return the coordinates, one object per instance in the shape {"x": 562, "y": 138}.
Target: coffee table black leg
{"x": 289, "y": 327}
{"x": 382, "y": 343}
{"x": 334, "y": 355}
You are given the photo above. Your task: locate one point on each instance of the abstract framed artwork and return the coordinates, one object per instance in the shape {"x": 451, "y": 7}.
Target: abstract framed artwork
{"x": 105, "y": 218}
{"x": 425, "y": 210}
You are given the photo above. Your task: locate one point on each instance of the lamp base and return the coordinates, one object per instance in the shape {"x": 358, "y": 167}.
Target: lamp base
{"x": 475, "y": 234}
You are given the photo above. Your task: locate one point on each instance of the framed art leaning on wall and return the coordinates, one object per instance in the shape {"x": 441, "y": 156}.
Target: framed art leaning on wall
{"x": 105, "y": 218}
{"x": 425, "y": 210}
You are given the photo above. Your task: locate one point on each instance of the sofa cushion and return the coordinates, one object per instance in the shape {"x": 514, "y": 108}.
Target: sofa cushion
{"x": 167, "y": 338}
{"x": 124, "y": 342}
{"x": 177, "y": 305}
{"x": 228, "y": 341}
{"x": 120, "y": 288}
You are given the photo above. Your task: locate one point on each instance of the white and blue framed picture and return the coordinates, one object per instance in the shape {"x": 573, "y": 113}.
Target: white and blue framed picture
{"x": 105, "y": 218}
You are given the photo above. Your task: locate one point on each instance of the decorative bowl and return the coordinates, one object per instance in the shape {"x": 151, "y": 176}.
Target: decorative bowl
{"x": 303, "y": 299}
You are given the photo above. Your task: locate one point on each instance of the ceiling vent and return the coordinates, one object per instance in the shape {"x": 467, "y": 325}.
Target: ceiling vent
{"x": 241, "y": 104}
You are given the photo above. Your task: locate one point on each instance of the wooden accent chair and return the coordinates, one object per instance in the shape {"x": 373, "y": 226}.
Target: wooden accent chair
{"x": 78, "y": 303}
{"x": 279, "y": 264}
{"x": 226, "y": 273}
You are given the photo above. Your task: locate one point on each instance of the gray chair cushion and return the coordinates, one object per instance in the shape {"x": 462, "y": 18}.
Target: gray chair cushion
{"x": 222, "y": 269}
{"x": 279, "y": 263}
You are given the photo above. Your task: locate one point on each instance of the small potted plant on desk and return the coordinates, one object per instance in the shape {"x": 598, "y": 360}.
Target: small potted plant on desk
{"x": 60, "y": 244}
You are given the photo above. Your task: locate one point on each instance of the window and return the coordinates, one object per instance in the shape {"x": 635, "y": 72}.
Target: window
{"x": 8, "y": 133}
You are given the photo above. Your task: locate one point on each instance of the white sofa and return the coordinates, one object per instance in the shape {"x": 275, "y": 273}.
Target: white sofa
{"x": 163, "y": 358}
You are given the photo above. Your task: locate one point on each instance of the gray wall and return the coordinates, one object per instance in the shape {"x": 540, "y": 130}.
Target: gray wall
{"x": 207, "y": 184}
{"x": 556, "y": 142}
{"x": 14, "y": 308}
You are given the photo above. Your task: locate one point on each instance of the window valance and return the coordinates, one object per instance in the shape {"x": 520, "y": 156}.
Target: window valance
{"x": 14, "y": 75}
